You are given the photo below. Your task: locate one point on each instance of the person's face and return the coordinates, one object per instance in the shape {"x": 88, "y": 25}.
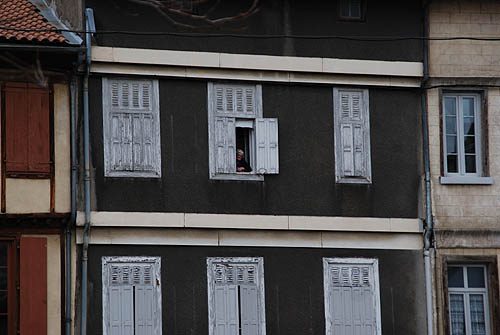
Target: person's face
{"x": 239, "y": 156}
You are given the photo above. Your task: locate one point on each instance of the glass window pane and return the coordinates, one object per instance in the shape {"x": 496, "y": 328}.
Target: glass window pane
{"x": 470, "y": 144}
{"x": 451, "y": 144}
{"x": 477, "y": 320}
{"x": 455, "y": 276}
{"x": 470, "y": 163}
{"x": 469, "y": 126}
{"x": 451, "y": 125}
{"x": 468, "y": 106}
{"x": 3, "y": 302}
{"x": 3, "y": 279}
{"x": 457, "y": 315}
{"x": 452, "y": 163}
{"x": 475, "y": 276}
{"x": 450, "y": 106}
{"x": 344, "y": 8}
{"x": 3, "y": 254}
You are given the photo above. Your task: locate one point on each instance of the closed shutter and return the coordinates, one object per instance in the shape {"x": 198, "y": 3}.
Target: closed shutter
{"x": 27, "y": 128}
{"x": 352, "y": 138}
{"x": 266, "y": 137}
{"x": 145, "y": 306}
{"x": 226, "y": 309}
{"x": 33, "y": 285}
{"x": 352, "y": 300}
{"x": 133, "y": 126}
{"x": 235, "y": 100}
{"x": 225, "y": 145}
{"x": 133, "y": 302}
{"x": 249, "y": 310}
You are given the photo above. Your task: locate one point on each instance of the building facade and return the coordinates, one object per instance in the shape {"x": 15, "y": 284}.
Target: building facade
{"x": 464, "y": 116}
{"x": 35, "y": 202}
{"x": 316, "y": 229}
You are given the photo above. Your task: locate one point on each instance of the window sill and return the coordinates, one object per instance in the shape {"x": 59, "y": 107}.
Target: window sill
{"x": 132, "y": 174}
{"x": 466, "y": 180}
{"x": 238, "y": 176}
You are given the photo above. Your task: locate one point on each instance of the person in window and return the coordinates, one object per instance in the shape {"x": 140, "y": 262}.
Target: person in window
{"x": 241, "y": 163}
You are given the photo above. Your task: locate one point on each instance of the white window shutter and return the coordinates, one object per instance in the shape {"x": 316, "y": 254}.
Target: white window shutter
{"x": 225, "y": 145}
{"x": 249, "y": 310}
{"x": 226, "y": 310}
{"x": 352, "y": 136}
{"x": 266, "y": 138}
{"x": 145, "y": 310}
{"x": 352, "y": 302}
{"x": 121, "y": 309}
{"x": 131, "y": 127}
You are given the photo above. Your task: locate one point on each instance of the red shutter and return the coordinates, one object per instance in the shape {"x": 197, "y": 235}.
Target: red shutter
{"x": 27, "y": 128}
{"x": 16, "y": 130}
{"x": 33, "y": 287}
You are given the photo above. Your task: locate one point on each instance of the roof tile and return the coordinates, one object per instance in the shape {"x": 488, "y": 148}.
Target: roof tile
{"x": 22, "y": 14}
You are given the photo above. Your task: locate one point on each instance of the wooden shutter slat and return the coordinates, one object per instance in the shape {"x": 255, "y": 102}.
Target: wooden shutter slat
{"x": 33, "y": 285}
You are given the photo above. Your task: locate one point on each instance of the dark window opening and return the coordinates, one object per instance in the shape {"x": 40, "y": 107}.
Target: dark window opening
{"x": 352, "y": 10}
{"x": 243, "y": 142}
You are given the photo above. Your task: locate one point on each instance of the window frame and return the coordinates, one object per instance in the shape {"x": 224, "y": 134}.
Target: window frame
{"x": 361, "y": 18}
{"x": 373, "y": 262}
{"x": 340, "y": 176}
{"x": 245, "y": 176}
{"x": 480, "y": 177}
{"x": 487, "y": 293}
{"x": 106, "y": 261}
{"x": 155, "y": 112}
{"x": 259, "y": 261}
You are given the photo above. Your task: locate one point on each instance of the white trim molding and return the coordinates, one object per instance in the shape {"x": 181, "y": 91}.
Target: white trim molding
{"x": 251, "y": 221}
{"x": 212, "y": 65}
{"x": 252, "y": 238}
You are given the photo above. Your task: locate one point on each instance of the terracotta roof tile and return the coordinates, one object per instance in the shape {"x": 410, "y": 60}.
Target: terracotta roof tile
{"x": 22, "y": 14}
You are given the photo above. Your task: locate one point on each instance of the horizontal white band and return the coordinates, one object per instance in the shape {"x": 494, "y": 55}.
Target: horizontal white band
{"x": 210, "y": 65}
{"x": 256, "y": 62}
{"x": 248, "y": 221}
{"x": 252, "y": 238}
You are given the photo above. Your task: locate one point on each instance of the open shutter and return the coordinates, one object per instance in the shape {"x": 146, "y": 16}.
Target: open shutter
{"x": 226, "y": 310}
{"x": 352, "y": 300}
{"x": 225, "y": 145}
{"x": 266, "y": 136}
{"x": 33, "y": 285}
{"x": 27, "y": 129}
{"x": 249, "y": 310}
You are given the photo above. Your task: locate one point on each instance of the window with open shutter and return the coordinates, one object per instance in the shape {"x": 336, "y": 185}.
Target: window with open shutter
{"x": 131, "y": 295}
{"x": 352, "y": 302}
{"x": 27, "y": 129}
{"x": 236, "y": 296}
{"x": 131, "y": 128}
{"x": 236, "y": 125}
{"x": 352, "y": 136}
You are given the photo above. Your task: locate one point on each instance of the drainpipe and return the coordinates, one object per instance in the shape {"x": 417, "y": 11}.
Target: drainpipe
{"x": 89, "y": 29}
{"x": 428, "y": 205}
{"x": 71, "y": 223}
